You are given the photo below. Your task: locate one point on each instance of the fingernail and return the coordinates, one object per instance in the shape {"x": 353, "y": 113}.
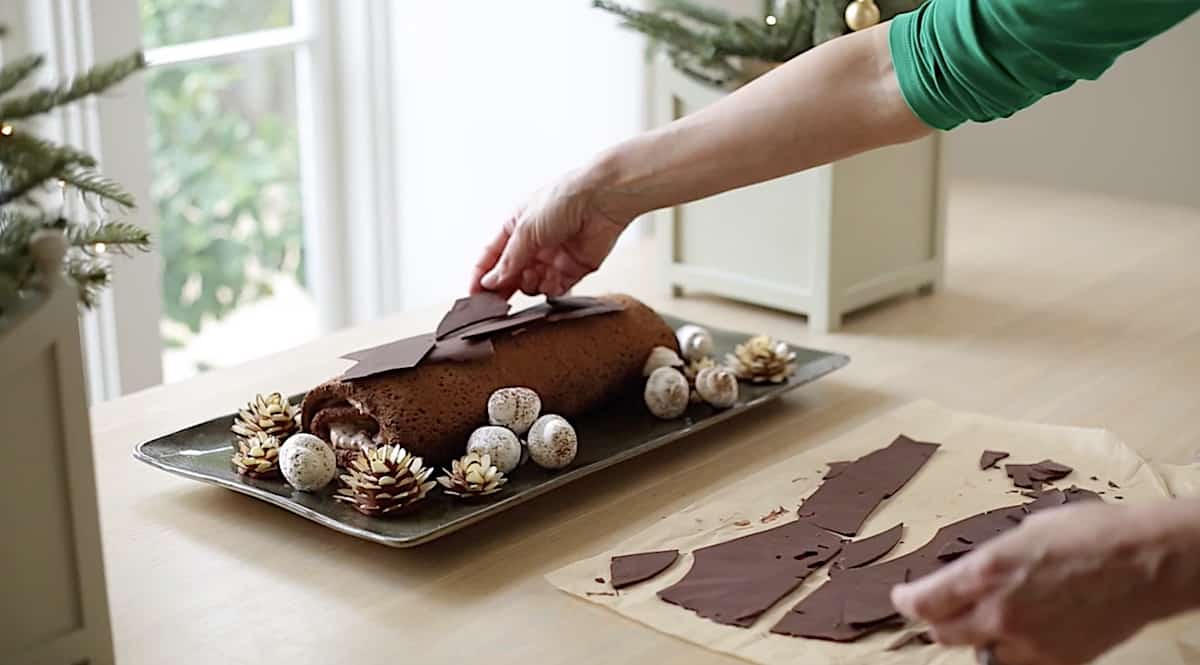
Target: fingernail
{"x": 490, "y": 280}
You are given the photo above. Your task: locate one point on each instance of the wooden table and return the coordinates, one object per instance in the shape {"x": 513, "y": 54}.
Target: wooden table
{"x": 1058, "y": 308}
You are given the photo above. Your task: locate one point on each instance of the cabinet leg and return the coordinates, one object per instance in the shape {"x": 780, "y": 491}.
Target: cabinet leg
{"x": 675, "y": 290}
{"x": 927, "y": 289}
{"x": 824, "y": 322}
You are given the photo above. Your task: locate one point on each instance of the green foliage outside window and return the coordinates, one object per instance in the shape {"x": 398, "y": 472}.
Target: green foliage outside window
{"x": 224, "y": 160}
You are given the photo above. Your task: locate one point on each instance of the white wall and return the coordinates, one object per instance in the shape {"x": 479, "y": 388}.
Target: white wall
{"x": 1135, "y": 132}
{"x": 497, "y": 98}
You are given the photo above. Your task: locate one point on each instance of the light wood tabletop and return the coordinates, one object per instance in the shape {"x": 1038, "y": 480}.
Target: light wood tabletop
{"x": 1058, "y": 308}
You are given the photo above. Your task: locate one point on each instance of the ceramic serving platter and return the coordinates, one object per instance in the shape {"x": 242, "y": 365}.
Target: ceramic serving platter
{"x": 617, "y": 432}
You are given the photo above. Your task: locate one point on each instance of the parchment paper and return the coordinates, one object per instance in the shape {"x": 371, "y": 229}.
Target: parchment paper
{"x": 948, "y": 488}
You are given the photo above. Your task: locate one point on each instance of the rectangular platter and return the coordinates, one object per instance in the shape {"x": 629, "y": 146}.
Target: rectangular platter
{"x": 619, "y": 431}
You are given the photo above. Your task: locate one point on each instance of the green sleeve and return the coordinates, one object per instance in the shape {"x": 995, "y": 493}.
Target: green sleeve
{"x": 959, "y": 60}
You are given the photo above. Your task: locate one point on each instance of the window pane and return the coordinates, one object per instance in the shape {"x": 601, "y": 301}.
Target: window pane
{"x": 226, "y": 187}
{"x": 169, "y": 22}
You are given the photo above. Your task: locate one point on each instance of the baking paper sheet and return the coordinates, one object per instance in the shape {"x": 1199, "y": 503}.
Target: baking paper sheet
{"x": 948, "y": 488}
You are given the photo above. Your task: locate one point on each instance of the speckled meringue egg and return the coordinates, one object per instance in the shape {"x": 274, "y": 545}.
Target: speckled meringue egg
{"x": 718, "y": 386}
{"x": 694, "y": 342}
{"x": 498, "y": 443}
{"x": 307, "y": 462}
{"x": 552, "y": 442}
{"x": 667, "y": 393}
{"x": 515, "y": 408}
{"x": 661, "y": 356}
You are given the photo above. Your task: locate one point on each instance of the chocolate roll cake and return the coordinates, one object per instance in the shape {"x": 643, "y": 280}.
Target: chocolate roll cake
{"x": 574, "y": 363}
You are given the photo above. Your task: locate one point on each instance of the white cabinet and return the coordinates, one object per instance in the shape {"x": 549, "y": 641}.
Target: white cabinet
{"x": 53, "y": 610}
{"x": 821, "y": 243}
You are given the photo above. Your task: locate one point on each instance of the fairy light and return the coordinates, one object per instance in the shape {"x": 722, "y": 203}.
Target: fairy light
{"x": 62, "y": 184}
{"x": 6, "y": 129}
{"x": 100, "y": 248}
{"x": 771, "y": 20}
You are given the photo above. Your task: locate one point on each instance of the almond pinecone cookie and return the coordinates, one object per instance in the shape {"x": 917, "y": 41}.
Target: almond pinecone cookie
{"x": 471, "y": 476}
{"x": 257, "y": 456}
{"x": 270, "y": 414}
{"x": 387, "y": 480}
{"x": 761, "y": 359}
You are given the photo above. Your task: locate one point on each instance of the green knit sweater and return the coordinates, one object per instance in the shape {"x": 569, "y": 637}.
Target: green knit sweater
{"x": 980, "y": 60}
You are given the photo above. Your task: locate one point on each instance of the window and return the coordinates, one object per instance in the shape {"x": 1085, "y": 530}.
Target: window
{"x": 226, "y": 179}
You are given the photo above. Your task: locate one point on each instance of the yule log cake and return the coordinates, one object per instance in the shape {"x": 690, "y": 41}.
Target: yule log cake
{"x": 428, "y": 393}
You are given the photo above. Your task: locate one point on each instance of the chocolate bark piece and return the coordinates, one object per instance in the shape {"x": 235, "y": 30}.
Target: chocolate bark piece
{"x": 830, "y": 612}
{"x": 1073, "y": 494}
{"x": 868, "y": 550}
{"x": 735, "y": 581}
{"x": 835, "y": 468}
{"x": 954, "y": 549}
{"x": 457, "y": 349}
{"x": 571, "y": 302}
{"x": 521, "y": 319}
{"x": 401, "y": 354}
{"x": 989, "y": 458}
{"x": 472, "y": 309}
{"x": 629, "y": 569}
{"x": 842, "y": 503}
{"x": 601, "y": 307}
{"x": 1032, "y": 476}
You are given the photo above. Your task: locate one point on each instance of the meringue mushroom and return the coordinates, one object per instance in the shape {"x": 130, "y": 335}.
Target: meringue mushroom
{"x": 552, "y": 442}
{"x": 515, "y": 408}
{"x": 661, "y": 356}
{"x": 498, "y": 443}
{"x": 667, "y": 393}
{"x": 694, "y": 342}
{"x": 718, "y": 386}
{"x": 307, "y": 462}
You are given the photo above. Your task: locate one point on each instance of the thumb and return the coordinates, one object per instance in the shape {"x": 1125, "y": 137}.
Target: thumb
{"x": 517, "y": 255}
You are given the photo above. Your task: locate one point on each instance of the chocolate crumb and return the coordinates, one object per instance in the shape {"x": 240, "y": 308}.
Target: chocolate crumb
{"x": 601, "y": 593}
{"x": 599, "y": 580}
{"x": 1114, "y": 485}
{"x": 773, "y": 515}
{"x": 1119, "y": 497}
{"x": 742, "y": 523}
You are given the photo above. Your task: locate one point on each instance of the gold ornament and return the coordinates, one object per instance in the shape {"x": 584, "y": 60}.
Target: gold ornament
{"x": 271, "y": 414}
{"x": 761, "y": 360}
{"x": 862, "y": 14}
{"x": 472, "y": 476}
{"x": 387, "y": 480}
{"x": 257, "y": 456}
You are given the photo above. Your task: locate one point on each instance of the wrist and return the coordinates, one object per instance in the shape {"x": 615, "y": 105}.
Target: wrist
{"x": 617, "y": 189}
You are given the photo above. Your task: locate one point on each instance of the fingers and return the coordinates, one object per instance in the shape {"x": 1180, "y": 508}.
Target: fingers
{"x": 508, "y": 271}
{"x": 950, "y": 592}
{"x": 491, "y": 255}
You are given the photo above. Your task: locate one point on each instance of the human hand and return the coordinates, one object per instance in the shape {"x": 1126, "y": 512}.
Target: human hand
{"x": 1065, "y": 586}
{"x": 557, "y": 238}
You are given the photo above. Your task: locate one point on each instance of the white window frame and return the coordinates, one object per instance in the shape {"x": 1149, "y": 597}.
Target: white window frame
{"x": 350, "y": 198}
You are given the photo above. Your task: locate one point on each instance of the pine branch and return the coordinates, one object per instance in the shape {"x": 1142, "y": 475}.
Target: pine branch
{"x": 710, "y": 15}
{"x": 115, "y": 236}
{"x": 90, "y": 275}
{"x": 657, "y": 27}
{"x": 23, "y": 151}
{"x": 91, "y": 182}
{"x": 16, "y": 71}
{"x": 94, "y": 81}
{"x": 22, "y": 182}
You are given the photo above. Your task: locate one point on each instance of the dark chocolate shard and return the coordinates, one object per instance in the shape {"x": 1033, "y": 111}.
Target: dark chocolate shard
{"x": 601, "y": 307}
{"x": 629, "y": 569}
{"x": 826, "y": 613}
{"x": 842, "y": 503}
{"x": 521, "y": 319}
{"x": 1032, "y": 476}
{"x": 472, "y": 309}
{"x": 401, "y": 354}
{"x": 1114, "y": 485}
{"x": 1073, "y": 494}
{"x": 736, "y": 581}
{"x": 572, "y": 302}
{"x": 868, "y": 550}
{"x": 989, "y": 458}
{"x": 954, "y": 549}
{"x": 835, "y": 468}
{"x": 459, "y": 350}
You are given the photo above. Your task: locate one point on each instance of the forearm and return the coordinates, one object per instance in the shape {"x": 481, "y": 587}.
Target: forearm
{"x": 831, "y": 102}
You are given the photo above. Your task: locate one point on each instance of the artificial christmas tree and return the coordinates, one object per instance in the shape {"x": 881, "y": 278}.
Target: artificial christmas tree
{"x": 712, "y": 46}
